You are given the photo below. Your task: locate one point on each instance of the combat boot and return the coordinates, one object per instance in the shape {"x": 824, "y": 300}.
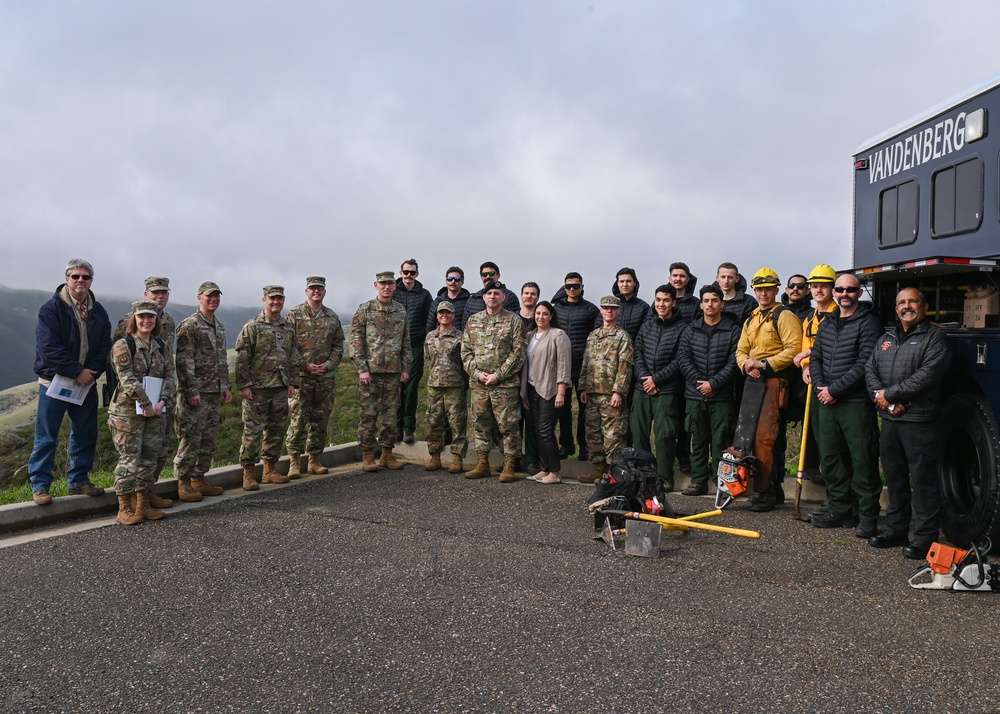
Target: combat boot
{"x": 143, "y": 509}
{"x": 388, "y": 460}
{"x": 157, "y": 502}
{"x": 482, "y": 466}
{"x": 599, "y": 469}
{"x": 185, "y": 492}
{"x": 507, "y": 475}
{"x": 456, "y": 465}
{"x": 249, "y": 479}
{"x": 294, "y": 467}
{"x": 126, "y": 515}
{"x": 434, "y": 463}
{"x": 368, "y": 460}
{"x": 316, "y": 466}
{"x": 272, "y": 476}
{"x": 199, "y": 484}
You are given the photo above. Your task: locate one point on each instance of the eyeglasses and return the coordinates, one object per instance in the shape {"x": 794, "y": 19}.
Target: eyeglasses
{"x": 488, "y": 274}
{"x": 84, "y": 278}
{"x": 850, "y": 289}
{"x": 796, "y": 286}
{"x": 408, "y": 272}
{"x": 452, "y": 279}
{"x": 572, "y": 286}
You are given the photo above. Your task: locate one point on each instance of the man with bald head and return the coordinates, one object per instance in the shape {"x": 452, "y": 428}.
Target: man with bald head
{"x": 904, "y": 376}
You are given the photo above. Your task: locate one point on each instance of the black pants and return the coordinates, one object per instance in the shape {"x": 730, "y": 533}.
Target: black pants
{"x": 545, "y": 413}
{"x": 566, "y": 415}
{"x": 909, "y": 451}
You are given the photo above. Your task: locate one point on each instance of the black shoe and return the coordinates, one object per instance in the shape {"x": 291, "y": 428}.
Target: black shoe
{"x": 762, "y": 502}
{"x": 566, "y": 451}
{"x": 407, "y": 436}
{"x": 831, "y": 520}
{"x": 779, "y": 494}
{"x": 889, "y": 539}
{"x": 684, "y": 465}
{"x": 917, "y": 550}
{"x": 584, "y": 455}
{"x": 814, "y": 475}
{"x": 866, "y": 528}
{"x": 668, "y": 486}
{"x": 695, "y": 489}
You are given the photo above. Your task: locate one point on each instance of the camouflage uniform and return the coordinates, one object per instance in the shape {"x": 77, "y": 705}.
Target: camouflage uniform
{"x": 202, "y": 371}
{"x": 167, "y": 332}
{"x": 606, "y": 369}
{"x": 320, "y": 339}
{"x": 380, "y": 345}
{"x": 268, "y": 362}
{"x": 446, "y": 390}
{"x": 138, "y": 438}
{"x": 495, "y": 344}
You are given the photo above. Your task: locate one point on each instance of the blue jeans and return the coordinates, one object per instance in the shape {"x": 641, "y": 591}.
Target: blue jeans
{"x": 82, "y": 439}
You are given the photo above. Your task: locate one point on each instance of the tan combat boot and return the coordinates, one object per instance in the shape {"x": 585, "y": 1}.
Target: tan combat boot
{"x": 142, "y": 507}
{"x": 482, "y": 467}
{"x": 507, "y": 475}
{"x": 186, "y": 492}
{"x": 271, "y": 475}
{"x": 294, "y": 466}
{"x": 368, "y": 460}
{"x": 456, "y": 465}
{"x": 157, "y": 502}
{"x": 126, "y": 515}
{"x": 388, "y": 460}
{"x": 599, "y": 469}
{"x": 433, "y": 463}
{"x": 249, "y": 479}
{"x": 199, "y": 484}
{"x": 316, "y": 466}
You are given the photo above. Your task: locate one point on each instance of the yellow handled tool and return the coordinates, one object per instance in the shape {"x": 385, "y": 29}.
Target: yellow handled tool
{"x": 678, "y": 523}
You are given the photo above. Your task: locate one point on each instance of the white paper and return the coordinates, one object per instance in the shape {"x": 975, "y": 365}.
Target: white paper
{"x": 65, "y": 389}
{"x": 152, "y": 386}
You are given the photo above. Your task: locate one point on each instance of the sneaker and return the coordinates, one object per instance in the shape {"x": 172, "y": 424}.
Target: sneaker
{"x": 695, "y": 489}
{"x": 762, "y": 502}
{"x": 87, "y": 489}
{"x": 407, "y": 436}
{"x": 41, "y": 498}
{"x": 814, "y": 475}
{"x": 823, "y": 509}
{"x": 831, "y": 520}
{"x": 866, "y": 528}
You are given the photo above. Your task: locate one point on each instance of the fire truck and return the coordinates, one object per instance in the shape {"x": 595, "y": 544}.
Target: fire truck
{"x": 927, "y": 215}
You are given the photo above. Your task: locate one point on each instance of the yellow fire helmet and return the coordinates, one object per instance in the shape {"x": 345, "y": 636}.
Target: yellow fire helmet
{"x": 765, "y": 278}
{"x": 823, "y": 273}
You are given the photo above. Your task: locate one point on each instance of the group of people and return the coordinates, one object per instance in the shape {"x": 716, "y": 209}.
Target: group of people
{"x": 688, "y": 377}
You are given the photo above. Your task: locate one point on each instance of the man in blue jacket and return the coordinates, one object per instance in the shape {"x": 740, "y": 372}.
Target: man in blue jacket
{"x": 72, "y": 340}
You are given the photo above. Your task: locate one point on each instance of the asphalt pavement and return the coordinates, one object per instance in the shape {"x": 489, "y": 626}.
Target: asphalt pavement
{"x": 412, "y": 591}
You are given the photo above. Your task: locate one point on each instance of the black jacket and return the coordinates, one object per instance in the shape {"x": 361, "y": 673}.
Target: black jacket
{"x": 740, "y": 307}
{"x": 803, "y": 309}
{"x": 459, "y": 302}
{"x": 910, "y": 366}
{"x": 57, "y": 339}
{"x": 417, "y": 302}
{"x": 577, "y": 320}
{"x": 657, "y": 353}
{"x": 711, "y": 358}
{"x": 841, "y": 351}
{"x": 634, "y": 311}
{"x": 689, "y": 306}
{"x": 511, "y": 303}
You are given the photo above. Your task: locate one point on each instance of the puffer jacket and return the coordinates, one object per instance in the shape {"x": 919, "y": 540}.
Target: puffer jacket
{"x": 416, "y": 302}
{"x": 710, "y": 358}
{"x": 910, "y": 367}
{"x": 740, "y": 307}
{"x": 634, "y": 311}
{"x": 577, "y": 320}
{"x": 657, "y": 353}
{"x": 841, "y": 351}
{"x": 803, "y": 309}
{"x": 689, "y": 306}
{"x": 459, "y": 303}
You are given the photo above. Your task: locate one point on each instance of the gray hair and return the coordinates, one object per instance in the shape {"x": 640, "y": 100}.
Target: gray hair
{"x": 78, "y": 263}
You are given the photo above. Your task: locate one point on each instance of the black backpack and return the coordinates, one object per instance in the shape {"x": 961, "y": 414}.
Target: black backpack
{"x": 632, "y": 482}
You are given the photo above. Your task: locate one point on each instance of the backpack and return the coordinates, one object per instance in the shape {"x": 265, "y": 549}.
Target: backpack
{"x": 632, "y": 484}
{"x": 111, "y": 382}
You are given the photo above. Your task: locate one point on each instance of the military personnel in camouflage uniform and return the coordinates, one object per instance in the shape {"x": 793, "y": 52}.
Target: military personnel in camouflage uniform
{"x": 158, "y": 291}
{"x": 446, "y": 389}
{"x": 202, "y": 389}
{"x": 492, "y": 351}
{"x": 321, "y": 344}
{"x": 604, "y": 381}
{"x": 139, "y": 437}
{"x": 380, "y": 347}
{"x": 268, "y": 366}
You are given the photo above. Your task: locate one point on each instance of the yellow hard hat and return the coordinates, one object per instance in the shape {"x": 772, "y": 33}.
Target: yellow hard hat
{"x": 765, "y": 278}
{"x": 823, "y": 273}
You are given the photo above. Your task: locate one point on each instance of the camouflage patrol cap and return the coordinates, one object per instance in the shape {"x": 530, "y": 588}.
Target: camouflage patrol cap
{"x": 386, "y": 276}
{"x": 445, "y": 306}
{"x": 144, "y": 307}
{"x": 153, "y": 284}
{"x": 274, "y": 291}
{"x": 610, "y": 301}
{"x": 315, "y": 282}
{"x": 208, "y": 287}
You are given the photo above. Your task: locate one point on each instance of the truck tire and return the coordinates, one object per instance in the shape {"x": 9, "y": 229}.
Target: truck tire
{"x": 970, "y": 485}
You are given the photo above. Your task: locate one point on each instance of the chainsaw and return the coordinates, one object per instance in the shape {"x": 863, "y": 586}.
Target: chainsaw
{"x": 957, "y": 570}
{"x": 735, "y": 471}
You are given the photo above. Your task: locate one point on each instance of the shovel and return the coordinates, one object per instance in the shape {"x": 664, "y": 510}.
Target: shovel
{"x": 802, "y": 454}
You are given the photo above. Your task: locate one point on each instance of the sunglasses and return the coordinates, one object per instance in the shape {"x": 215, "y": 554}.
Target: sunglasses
{"x": 408, "y": 272}
{"x": 796, "y": 286}
{"x": 572, "y": 286}
{"x": 488, "y": 274}
{"x": 84, "y": 278}
{"x": 452, "y": 279}
{"x": 850, "y": 290}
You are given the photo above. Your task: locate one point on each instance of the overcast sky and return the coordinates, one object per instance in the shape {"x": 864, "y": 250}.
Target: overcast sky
{"x": 252, "y": 143}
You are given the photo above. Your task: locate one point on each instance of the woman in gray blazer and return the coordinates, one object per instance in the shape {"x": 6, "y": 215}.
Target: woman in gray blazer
{"x": 544, "y": 380}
